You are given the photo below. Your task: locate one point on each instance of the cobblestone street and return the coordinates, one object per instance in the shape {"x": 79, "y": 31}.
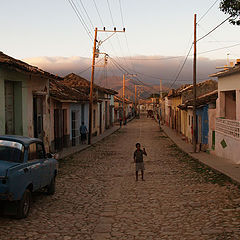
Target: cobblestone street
{"x": 97, "y": 196}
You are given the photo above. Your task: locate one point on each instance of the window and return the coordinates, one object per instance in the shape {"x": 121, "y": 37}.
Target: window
{"x": 11, "y": 151}
{"x": 35, "y": 151}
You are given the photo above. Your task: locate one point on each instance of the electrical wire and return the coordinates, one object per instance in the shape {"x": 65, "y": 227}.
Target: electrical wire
{"x": 110, "y": 12}
{"x": 84, "y": 70}
{"x": 120, "y": 46}
{"x": 152, "y": 59}
{"x": 207, "y": 11}
{"x": 89, "y": 19}
{"x": 74, "y": 7}
{"x": 216, "y": 49}
{"x": 120, "y": 5}
{"x": 185, "y": 60}
{"x": 213, "y": 29}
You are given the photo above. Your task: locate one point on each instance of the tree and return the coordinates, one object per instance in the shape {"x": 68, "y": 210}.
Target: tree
{"x": 231, "y": 7}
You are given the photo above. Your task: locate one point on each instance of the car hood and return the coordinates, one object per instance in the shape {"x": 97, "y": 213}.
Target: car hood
{"x": 4, "y": 166}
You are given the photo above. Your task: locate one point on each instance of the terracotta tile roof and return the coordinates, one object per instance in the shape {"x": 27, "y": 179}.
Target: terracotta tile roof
{"x": 226, "y": 72}
{"x": 120, "y": 99}
{"x": 177, "y": 92}
{"x": 63, "y": 93}
{"x": 201, "y": 100}
{"x": 18, "y": 65}
{"x": 83, "y": 84}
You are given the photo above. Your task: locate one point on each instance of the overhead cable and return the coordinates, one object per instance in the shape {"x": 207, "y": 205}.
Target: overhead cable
{"x": 185, "y": 60}
{"x": 86, "y": 13}
{"x": 74, "y": 7}
{"x": 213, "y": 29}
{"x": 207, "y": 11}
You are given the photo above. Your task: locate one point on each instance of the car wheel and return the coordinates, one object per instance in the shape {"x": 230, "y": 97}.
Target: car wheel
{"x": 23, "y": 206}
{"x": 51, "y": 187}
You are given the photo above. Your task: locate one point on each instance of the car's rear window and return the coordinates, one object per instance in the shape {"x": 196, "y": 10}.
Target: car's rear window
{"x": 11, "y": 151}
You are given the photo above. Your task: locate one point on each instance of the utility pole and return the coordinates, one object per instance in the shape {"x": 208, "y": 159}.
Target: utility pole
{"x": 194, "y": 85}
{"x": 135, "y": 97}
{"x": 161, "y": 89}
{"x": 92, "y": 75}
{"x": 136, "y": 112}
{"x": 123, "y": 99}
{"x": 91, "y": 90}
{"x": 160, "y": 100}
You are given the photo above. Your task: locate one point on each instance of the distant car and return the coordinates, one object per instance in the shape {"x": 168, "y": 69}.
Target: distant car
{"x": 24, "y": 168}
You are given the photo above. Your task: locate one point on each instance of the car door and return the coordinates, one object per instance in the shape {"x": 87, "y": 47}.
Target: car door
{"x": 34, "y": 166}
{"x": 45, "y": 167}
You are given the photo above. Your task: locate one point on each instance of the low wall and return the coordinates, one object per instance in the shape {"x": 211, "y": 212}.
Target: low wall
{"x": 227, "y": 147}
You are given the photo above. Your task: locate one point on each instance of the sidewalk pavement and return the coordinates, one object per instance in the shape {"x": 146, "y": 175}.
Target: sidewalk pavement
{"x": 71, "y": 150}
{"x": 222, "y": 165}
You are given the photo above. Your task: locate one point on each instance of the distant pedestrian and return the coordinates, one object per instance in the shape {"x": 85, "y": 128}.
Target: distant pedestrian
{"x": 83, "y": 132}
{"x": 158, "y": 118}
{"x": 138, "y": 159}
{"x": 120, "y": 121}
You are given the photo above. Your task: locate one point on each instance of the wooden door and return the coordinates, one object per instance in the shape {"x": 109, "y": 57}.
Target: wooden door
{"x": 38, "y": 116}
{"x": 58, "y": 129}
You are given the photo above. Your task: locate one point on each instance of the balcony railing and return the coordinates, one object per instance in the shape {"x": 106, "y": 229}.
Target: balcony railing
{"x": 228, "y": 127}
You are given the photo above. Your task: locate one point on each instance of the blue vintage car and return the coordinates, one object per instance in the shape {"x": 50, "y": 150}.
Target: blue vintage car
{"x": 24, "y": 168}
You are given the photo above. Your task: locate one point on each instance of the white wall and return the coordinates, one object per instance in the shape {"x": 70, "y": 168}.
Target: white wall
{"x": 231, "y": 152}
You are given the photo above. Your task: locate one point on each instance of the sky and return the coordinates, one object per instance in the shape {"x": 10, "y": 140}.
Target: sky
{"x": 48, "y": 34}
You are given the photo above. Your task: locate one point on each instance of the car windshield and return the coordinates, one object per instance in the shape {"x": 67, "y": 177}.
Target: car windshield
{"x": 11, "y": 151}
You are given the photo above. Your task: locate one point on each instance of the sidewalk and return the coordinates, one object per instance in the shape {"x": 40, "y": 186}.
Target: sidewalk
{"x": 71, "y": 150}
{"x": 219, "y": 164}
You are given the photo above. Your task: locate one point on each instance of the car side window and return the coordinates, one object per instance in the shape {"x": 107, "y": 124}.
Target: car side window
{"x": 32, "y": 152}
{"x": 36, "y": 151}
{"x": 40, "y": 151}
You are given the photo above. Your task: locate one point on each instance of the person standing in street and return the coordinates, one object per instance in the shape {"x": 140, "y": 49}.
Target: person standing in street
{"x": 83, "y": 132}
{"x": 138, "y": 159}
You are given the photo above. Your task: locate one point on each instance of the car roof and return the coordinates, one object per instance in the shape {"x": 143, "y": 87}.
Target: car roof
{"x": 26, "y": 141}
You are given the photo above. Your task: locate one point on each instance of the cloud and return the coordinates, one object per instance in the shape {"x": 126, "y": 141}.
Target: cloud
{"x": 149, "y": 69}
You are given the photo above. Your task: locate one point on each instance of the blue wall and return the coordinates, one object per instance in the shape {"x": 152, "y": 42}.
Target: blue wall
{"x": 203, "y": 112}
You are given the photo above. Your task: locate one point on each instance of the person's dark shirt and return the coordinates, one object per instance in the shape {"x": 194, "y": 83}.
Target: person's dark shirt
{"x": 138, "y": 155}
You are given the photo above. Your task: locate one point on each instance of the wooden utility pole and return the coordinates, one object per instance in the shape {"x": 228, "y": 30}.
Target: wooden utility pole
{"x": 136, "y": 112}
{"x": 92, "y": 75}
{"x": 194, "y": 86}
{"x": 91, "y": 90}
{"x": 123, "y": 104}
{"x": 161, "y": 89}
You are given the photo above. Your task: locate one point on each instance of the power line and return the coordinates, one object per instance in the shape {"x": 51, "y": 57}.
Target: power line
{"x": 152, "y": 59}
{"x": 120, "y": 5}
{"x": 110, "y": 12}
{"x": 74, "y": 7}
{"x": 216, "y": 49}
{"x": 109, "y": 8}
{"x": 86, "y": 13}
{"x": 84, "y": 70}
{"x": 181, "y": 67}
{"x": 213, "y": 29}
{"x": 208, "y": 11}
{"x": 96, "y": 7}
{"x": 98, "y": 13}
